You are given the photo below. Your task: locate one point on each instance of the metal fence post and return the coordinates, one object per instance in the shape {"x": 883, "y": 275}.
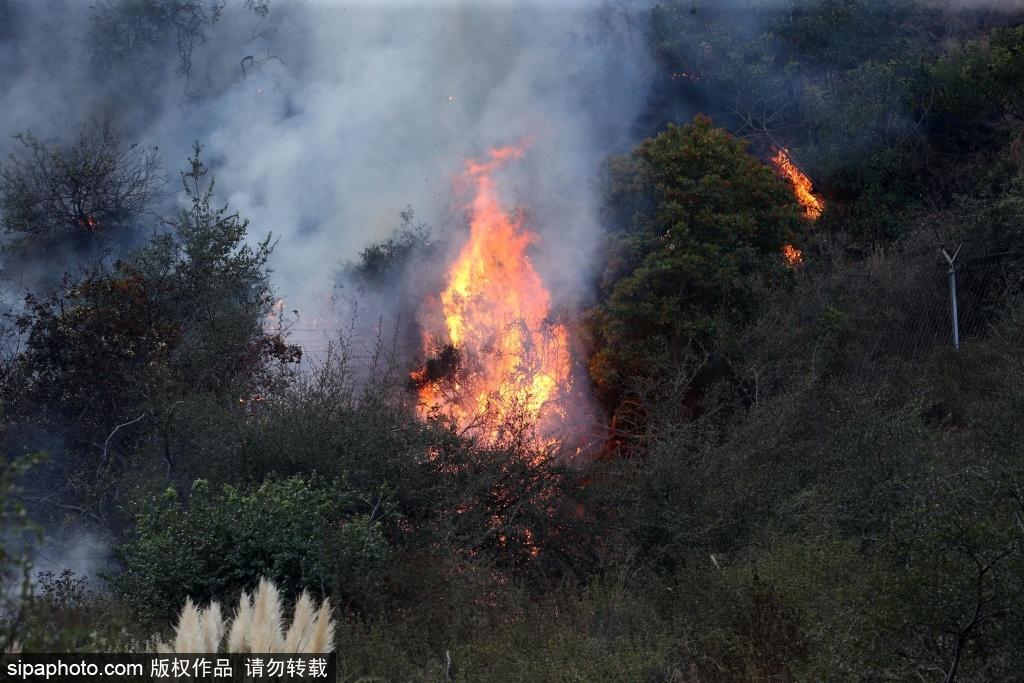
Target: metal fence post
{"x": 952, "y": 295}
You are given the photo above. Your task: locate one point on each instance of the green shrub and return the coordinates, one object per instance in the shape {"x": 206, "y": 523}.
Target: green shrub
{"x": 220, "y": 542}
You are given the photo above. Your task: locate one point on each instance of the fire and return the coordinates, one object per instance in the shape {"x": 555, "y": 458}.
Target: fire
{"x": 496, "y": 357}
{"x": 802, "y": 186}
{"x": 793, "y": 256}
{"x": 803, "y": 189}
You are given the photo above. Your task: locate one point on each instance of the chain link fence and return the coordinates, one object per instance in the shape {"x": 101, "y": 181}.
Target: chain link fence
{"x": 901, "y": 306}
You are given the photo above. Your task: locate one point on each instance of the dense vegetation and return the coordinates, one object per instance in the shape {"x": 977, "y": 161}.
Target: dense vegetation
{"x": 802, "y": 479}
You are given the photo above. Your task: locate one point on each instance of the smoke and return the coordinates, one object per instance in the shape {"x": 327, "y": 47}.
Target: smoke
{"x": 369, "y": 109}
{"x": 1001, "y": 5}
{"x": 83, "y": 551}
{"x": 323, "y": 120}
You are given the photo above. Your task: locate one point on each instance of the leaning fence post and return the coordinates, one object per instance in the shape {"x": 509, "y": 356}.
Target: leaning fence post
{"x": 952, "y": 295}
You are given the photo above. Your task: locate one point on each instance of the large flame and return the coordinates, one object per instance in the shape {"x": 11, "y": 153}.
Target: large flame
{"x": 802, "y": 186}
{"x": 508, "y": 362}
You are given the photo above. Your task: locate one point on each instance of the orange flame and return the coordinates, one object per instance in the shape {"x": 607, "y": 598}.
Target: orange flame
{"x": 793, "y": 256}
{"x": 802, "y": 186}
{"x": 512, "y": 360}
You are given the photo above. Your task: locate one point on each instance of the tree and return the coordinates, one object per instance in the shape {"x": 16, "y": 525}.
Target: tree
{"x": 108, "y": 357}
{"x": 91, "y": 189}
{"x": 125, "y": 32}
{"x": 134, "y": 38}
{"x": 994, "y": 72}
{"x": 692, "y": 217}
{"x": 381, "y": 264}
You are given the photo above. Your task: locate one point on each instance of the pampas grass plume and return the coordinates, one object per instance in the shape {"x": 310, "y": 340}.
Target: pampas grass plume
{"x": 322, "y": 639}
{"x": 240, "y": 626}
{"x": 257, "y": 626}
{"x": 266, "y": 619}
{"x": 188, "y": 634}
{"x": 303, "y": 622}
{"x": 211, "y": 628}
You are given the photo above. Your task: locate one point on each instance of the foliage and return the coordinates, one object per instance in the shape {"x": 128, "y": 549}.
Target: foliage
{"x": 847, "y": 87}
{"x": 697, "y": 217}
{"x": 64, "y": 614}
{"x": 19, "y": 531}
{"x": 108, "y": 357}
{"x": 994, "y": 68}
{"x": 818, "y": 487}
{"x": 126, "y": 31}
{"x": 380, "y": 264}
{"x": 260, "y": 7}
{"x": 219, "y": 542}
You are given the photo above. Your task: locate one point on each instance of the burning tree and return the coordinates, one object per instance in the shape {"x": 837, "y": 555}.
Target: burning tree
{"x": 94, "y": 186}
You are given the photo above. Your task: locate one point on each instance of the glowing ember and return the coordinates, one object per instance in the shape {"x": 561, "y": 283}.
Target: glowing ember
{"x": 89, "y": 223}
{"x": 499, "y": 360}
{"x": 793, "y": 256}
{"x": 802, "y": 186}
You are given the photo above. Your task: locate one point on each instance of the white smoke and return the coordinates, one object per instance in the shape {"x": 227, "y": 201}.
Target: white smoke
{"x": 369, "y": 108}
{"x": 326, "y": 119}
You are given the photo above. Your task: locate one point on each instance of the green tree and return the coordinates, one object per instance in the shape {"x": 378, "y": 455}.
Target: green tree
{"x": 993, "y": 71}
{"x": 693, "y": 217}
{"x": 382, "y": 263}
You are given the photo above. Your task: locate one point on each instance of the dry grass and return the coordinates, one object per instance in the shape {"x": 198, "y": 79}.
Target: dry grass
{"x": 258, "y": 626}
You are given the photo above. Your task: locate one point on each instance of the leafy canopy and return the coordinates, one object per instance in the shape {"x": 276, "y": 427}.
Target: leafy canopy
{"x": 693, "y": 216}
